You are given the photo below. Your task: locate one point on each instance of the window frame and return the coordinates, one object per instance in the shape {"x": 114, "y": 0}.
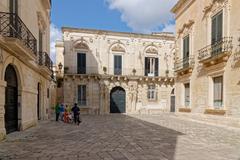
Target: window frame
{"x": 186, "y": 47}
{"x": 116, "y": 72}
{"x": 187, "y": 99}
{"x": 82, "y": 97}
{"x": 79, "y": 71}
{"x": 152, "y": 92}
{"x": 220, "y": 101}
{"x": 215, "y": 33}
{"x": 151, "y": 67}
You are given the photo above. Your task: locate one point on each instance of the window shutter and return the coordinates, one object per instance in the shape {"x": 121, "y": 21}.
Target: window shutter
{"x": 146, "y": 66}
{"x": 81, "y": 63}
{"x": 214, "y": 32}
{"x": 220, "y": 26}
{"x": 156, "y": 67}
{"x": 218, "y": 91}
{"x": 187, "y": 52}
{"x": 184, "y": 48}
{"x": 78, "y": 63}
{"x": 187, "y": 94}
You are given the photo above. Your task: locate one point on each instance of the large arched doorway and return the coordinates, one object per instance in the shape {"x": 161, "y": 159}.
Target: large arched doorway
{"x": 11, "y": 100}
{"x": 117, "y": 100}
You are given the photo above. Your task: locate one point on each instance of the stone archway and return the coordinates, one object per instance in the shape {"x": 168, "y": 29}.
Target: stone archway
{"x": 118, "y": 100}
{"x": 11, "y": 100}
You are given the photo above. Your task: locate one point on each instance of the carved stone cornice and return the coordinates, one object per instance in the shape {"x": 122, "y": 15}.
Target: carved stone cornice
{"x": 118, "y": 48}
{"x": 152, "y": 50}
{"x": 210, "y": 7}
{"x": 186, "y": 25}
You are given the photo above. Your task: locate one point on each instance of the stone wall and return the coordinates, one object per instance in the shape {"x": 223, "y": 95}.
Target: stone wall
{"x": 198, "y": 27}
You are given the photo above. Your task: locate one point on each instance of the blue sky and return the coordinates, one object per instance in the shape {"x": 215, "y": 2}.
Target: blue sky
{"x": 93, "y": 14}
{"x": 142, "y": 16}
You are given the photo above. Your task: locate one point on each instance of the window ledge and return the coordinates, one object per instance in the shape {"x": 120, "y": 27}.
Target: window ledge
{"x": 220, "y": 112}
{"x": 188, "y": 110}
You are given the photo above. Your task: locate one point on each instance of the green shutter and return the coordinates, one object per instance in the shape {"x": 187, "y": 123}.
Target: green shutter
{"x": 220, "y": 26}
{"x": 186, "y": 47}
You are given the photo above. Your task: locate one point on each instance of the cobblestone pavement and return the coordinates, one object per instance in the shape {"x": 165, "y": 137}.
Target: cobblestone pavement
{"x": 120, "y": 137}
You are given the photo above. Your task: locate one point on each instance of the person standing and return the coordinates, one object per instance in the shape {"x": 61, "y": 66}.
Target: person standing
{"x": 76, "y": 114}
{"x": 57, "y": 111}
{"x": 61, "y": 111}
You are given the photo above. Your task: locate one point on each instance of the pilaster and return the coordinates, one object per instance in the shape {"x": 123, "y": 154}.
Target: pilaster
{"x": 3, "y": 85}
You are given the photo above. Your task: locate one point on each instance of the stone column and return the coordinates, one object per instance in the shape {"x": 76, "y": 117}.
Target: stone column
{"x": 3, "y": 85}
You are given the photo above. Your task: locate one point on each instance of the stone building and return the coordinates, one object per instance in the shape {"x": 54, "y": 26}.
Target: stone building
{"x": 25, "y": 66}
{"x": 208, "y": 57}
{"x": 115, "y": 72}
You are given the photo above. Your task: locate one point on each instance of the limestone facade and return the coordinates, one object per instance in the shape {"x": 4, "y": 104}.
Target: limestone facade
{"x": 207, "y": 77}
{"x": 22, "y": 24}
{"x": 116, "y": 59}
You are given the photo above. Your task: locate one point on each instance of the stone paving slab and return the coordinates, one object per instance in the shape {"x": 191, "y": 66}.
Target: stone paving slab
{"x": 124, "y": 137}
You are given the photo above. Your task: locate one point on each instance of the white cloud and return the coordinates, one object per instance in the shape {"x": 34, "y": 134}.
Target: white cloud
{"x": 144, "y": 15}
{"x": 55, "y": 34}
{"x": 169, "y": 28}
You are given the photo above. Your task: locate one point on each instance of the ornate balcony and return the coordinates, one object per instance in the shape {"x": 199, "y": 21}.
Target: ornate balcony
{"x": 45, "y": 62}
{"x": 15, "y": 36}
{"x": 184, "y": 65}
{"x": 217, "y": 52}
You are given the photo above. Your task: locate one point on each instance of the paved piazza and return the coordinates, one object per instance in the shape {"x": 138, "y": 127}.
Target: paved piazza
{"x": 120, "y": 137}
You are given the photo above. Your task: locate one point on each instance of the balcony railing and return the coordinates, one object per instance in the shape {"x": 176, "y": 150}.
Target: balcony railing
{"x": 44, "y": 60}
{"x": 12, "y": 26}
{"x": 218, "y": 49}
{"x": 117, "y": 71}
{"x": 184, "y": 63}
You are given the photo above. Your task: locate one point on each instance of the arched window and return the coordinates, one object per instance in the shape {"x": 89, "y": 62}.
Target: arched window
{"x": 151, "y": 65}
{"x": 81, "y": 49}
{"x": 117, "y": 50}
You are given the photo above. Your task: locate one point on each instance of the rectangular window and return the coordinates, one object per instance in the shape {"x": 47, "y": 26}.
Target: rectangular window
{"x": 217, "y": 27}
{"x": 81, "y": 63}
{"x": 152, "y": 93}
{"x": 186, "y": 47}
{"x": 151, "y": 66}
{"x": 187, "y": 94}
{"x": 82, "y": 101}
{"x": 117, "y": 65}
{"x": 218, "y": 91}
{"x": 48, "y": 94}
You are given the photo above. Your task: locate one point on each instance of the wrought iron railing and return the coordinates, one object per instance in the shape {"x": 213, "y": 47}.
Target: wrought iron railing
{"x": 44, "y": 60}
{"x": 216, "y": 49}
{"x": 184, "y": 63}
{"x": 117, "y": 71}
{"x": 12, "y": 26}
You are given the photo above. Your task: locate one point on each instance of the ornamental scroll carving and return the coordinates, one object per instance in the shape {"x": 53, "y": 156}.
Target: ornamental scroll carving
{"x": 152, "y": 50}
{"x": 81, "y": 46}
{"x": 210, "y": 7}
{"x": 118, "y": 48}
{"x": 187, "y": 25}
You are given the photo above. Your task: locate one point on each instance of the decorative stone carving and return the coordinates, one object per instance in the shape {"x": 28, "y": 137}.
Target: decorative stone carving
{"x": 152, "y": 50}
{"x": 118, "y": 48}
{"x": 186, "y": 25}
{"x": 214, "y": 5}
{"x": 81, "y": 46}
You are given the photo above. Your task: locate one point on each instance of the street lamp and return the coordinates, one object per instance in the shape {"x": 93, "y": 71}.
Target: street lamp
{"x": 60, "y": 66}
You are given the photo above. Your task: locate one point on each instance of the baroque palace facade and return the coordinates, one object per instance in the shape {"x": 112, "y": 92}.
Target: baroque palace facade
{"x": 25, "y": 66}
{"x": 208, "y": 57}
{"x": 115, "y": 72}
